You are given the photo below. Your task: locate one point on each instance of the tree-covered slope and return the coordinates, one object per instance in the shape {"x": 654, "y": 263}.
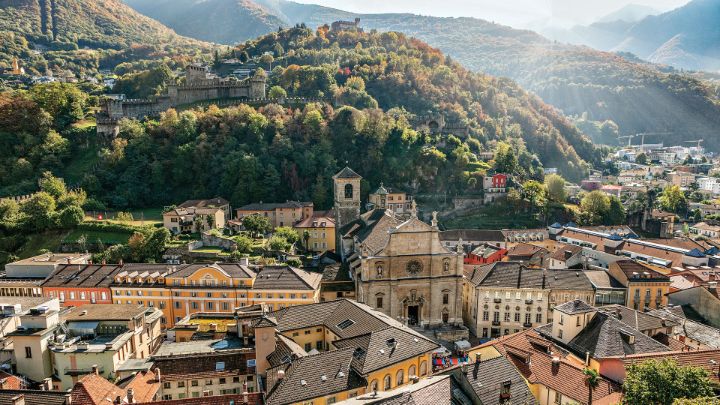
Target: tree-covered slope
{"x": 68, "y": 32}
{"x": 638, "y": 96}
{"x": 221, "y": 21}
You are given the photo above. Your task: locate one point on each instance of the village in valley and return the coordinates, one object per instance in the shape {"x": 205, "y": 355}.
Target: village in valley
{"x": 487, "y": 278}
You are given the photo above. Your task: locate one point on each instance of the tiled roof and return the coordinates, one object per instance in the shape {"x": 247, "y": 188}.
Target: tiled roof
{"x": 347, "y": 173}
{"x": 211, "y": 203}
{"x": 562, "y": 375}
{"x": 697, "y": 358}
{"x": 33, "y": 397}
{"x": 565, "y": 251}
{"x": 286, "y": 278}
{"x": 525, "y": 250}
{"x": 144, "y": 385}
{"x": 315, "y": 376}
{"x": 10, "y": 381}
{"x": 385, "y": 347}
{"x": 634, "y": 270}
{"x": 254, "y": 398}
{"x": 233, "y": 270}
{"x": 185, "y": 366}
{"x": 602, "y": 279}
{"x": 82, "y": 275}
{"x": 374, "y": 229}
{"x": 324, "y": 219}
{"x": 567, "y": 280}
{"x": 697, "y": 331}
{"x": 487, "y": 376}
{"x": 274, "y": 206}
{"x": 607, "y": 336}
{"x": 93, "y": 389}
{"x": 507, "y": 274}
{"x": 286, "y": 350}
{"x": 575, "y": 307}
{"x": 639, "y": 320}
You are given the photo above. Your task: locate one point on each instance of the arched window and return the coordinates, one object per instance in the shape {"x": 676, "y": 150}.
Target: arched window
{"x": 374, "y": 385}
{"x": 400, "y": 378}
{"x": 348, "y": 191}
{"x": 387, "y": 382}
{"x": 423, "y": 368}
{"x": 412, "y": 372}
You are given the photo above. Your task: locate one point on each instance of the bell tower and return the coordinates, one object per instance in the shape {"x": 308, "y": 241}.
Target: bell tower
{"x": 346, "y": 191}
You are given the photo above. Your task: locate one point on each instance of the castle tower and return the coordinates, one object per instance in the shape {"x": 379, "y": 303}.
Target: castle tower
{"x": 346, "y": 185}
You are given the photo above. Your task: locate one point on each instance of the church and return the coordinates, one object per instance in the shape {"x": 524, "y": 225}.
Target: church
{"x": 399, "y": 266}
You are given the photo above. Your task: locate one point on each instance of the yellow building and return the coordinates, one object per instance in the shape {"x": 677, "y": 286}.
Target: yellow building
{"x": 182, "y": 290}
{"x": 399, "y": 202}
{"x": 646, "y": 288}
{"x": 279, "y": 214}
{"x": 320, "y": 228}
{"x": 328, "y": 352}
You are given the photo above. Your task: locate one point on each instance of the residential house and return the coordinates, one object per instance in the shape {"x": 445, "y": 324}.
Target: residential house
{"x": 399, "y": 202}
{"x": 485, "y": 254}
{"x": 99, "y": 338}
{"x": 566, "y": 257}
{"x": 689, "y": 332}
{"x": 280, "y": 214}
{"x": 205, "y": 368}
{"x": 608, "y": 290}
{"x": 681, "y": 179}
{"x": 472, "y": 238}
{"x": 195, "y": 216}
{"x": 317, "y": 233}
{"x": 494, "y": 187}
{"x": 93, "y": 389}
{"x": 615, "y": 368}
{"x": 703, "y": 229}
{"x": 554, "y": 375}
{"x": 530, "y": 254}
{"x": 704, "y": 300}
{"x": 646, "y": 288}
{"x": 332, "y": 351}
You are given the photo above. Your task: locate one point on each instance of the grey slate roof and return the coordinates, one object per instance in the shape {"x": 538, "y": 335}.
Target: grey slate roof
{"x": 347, "y": 173}
{"x": 315, "y": 376}
{"x": 605, "y": 336}
{"x": 385, "y": 347}
{"x": 697, "y": 331}
{"x": 473, "y": 235}
{"x": 507, "y": 274}
{"x": 286, "y": 278}
{"x": 575, "y": 307}
{"x": 286, "y": 350}
{"x": 372, "y": 229}
{"x": 602, "y": 279}
{"x": 567, "y": 280}
{"x": 639, "y": 320}
{"x": 487, "y": 377}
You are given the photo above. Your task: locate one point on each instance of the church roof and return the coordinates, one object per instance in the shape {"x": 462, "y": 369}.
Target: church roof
{"x": 372, "y": 229}
{"x": 347, "y": 173}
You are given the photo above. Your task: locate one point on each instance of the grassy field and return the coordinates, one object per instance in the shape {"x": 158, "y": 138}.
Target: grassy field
{"x": 145, "y": 216}
{"x": 49, "y": 240}
{"x": 106, "y": 237}
{"x": 493, "y": 217}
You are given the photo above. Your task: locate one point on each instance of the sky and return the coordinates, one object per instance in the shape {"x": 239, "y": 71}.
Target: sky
{"x": 516, "y": 13}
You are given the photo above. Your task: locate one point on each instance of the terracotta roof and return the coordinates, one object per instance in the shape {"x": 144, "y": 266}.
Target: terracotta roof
{"x": 144, "y": 385}
{"x": 697, "y": 358}
{"x": 211, "y": 203}
{"x": 254, "y": 398}
{"x": 561, "y": 375}
{"x": 635, "y": 271}
{"x": 323, "y": 219}
{"x": 10, "y": 381}
{"x": 525, "y": 250}
{"x": 565, "y": 251}
{"x": 93, "y": 389}
{"x": 106, "y": 312}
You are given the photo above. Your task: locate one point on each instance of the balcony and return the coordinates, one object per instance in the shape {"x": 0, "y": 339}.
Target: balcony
{"x": 496, "y": 323}
{"x": 529, "y": 301}
{"x": 497, "y": 300}
{"x": 527, "y": 325}
{"x": 82, "y": 371}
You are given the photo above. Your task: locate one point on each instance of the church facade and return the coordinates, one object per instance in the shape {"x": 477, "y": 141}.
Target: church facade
{"x": 401, "y": 268}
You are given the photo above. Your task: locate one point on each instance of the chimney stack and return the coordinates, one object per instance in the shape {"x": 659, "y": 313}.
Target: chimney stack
{"x": 130, "y": 396}
{"x": 18, "y": 399}
{"x": 157, "y": 374}
{"x": 68, "y": 399}
{"x": 47, "y": 384}
{"x": 95, "y": 369}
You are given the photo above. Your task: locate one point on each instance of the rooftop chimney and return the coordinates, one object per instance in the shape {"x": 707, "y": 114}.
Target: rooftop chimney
{"x": 18, "y": 399}
{"x": 130, "y": 396}
{"x": 68, "y": 399}
{"x": 157, "y": 375}
{"x": 95, "y": 369}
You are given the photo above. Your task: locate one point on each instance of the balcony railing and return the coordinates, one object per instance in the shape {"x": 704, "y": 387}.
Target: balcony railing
{"x": 82, "y": 371}
{"x": 496, "y": 323}
{"x": 529, "y": 301}
{"x": 527, "y": 324}
{"x": 497, "y": 300}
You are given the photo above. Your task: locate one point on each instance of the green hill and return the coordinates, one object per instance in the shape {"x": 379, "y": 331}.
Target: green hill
{"x": 82, "y": 35}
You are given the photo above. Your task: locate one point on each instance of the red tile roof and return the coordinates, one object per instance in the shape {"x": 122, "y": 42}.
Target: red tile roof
{"x": 93, "y": 389}
{"x": 237, "y": 399}
{"x": 562, "y": 375}
{"x": 697, "y": 358}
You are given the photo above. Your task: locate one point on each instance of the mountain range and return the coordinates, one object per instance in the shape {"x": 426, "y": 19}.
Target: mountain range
{"x": 638, "y": 96}
{"x": 687, "y": 37}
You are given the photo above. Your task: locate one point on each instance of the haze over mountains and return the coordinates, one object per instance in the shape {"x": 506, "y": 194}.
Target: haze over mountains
{"x": 638, "y": 96}
{"x": 687, "y": 37}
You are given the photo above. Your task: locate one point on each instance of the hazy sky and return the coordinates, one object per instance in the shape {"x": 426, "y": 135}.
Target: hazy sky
{"x": 511, "y": 12}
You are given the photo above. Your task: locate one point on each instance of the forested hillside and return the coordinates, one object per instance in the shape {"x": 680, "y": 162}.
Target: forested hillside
{"x": 82, "y": 36}
{"x": 638, "y": 96}
{"x": 273, "y": 152}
